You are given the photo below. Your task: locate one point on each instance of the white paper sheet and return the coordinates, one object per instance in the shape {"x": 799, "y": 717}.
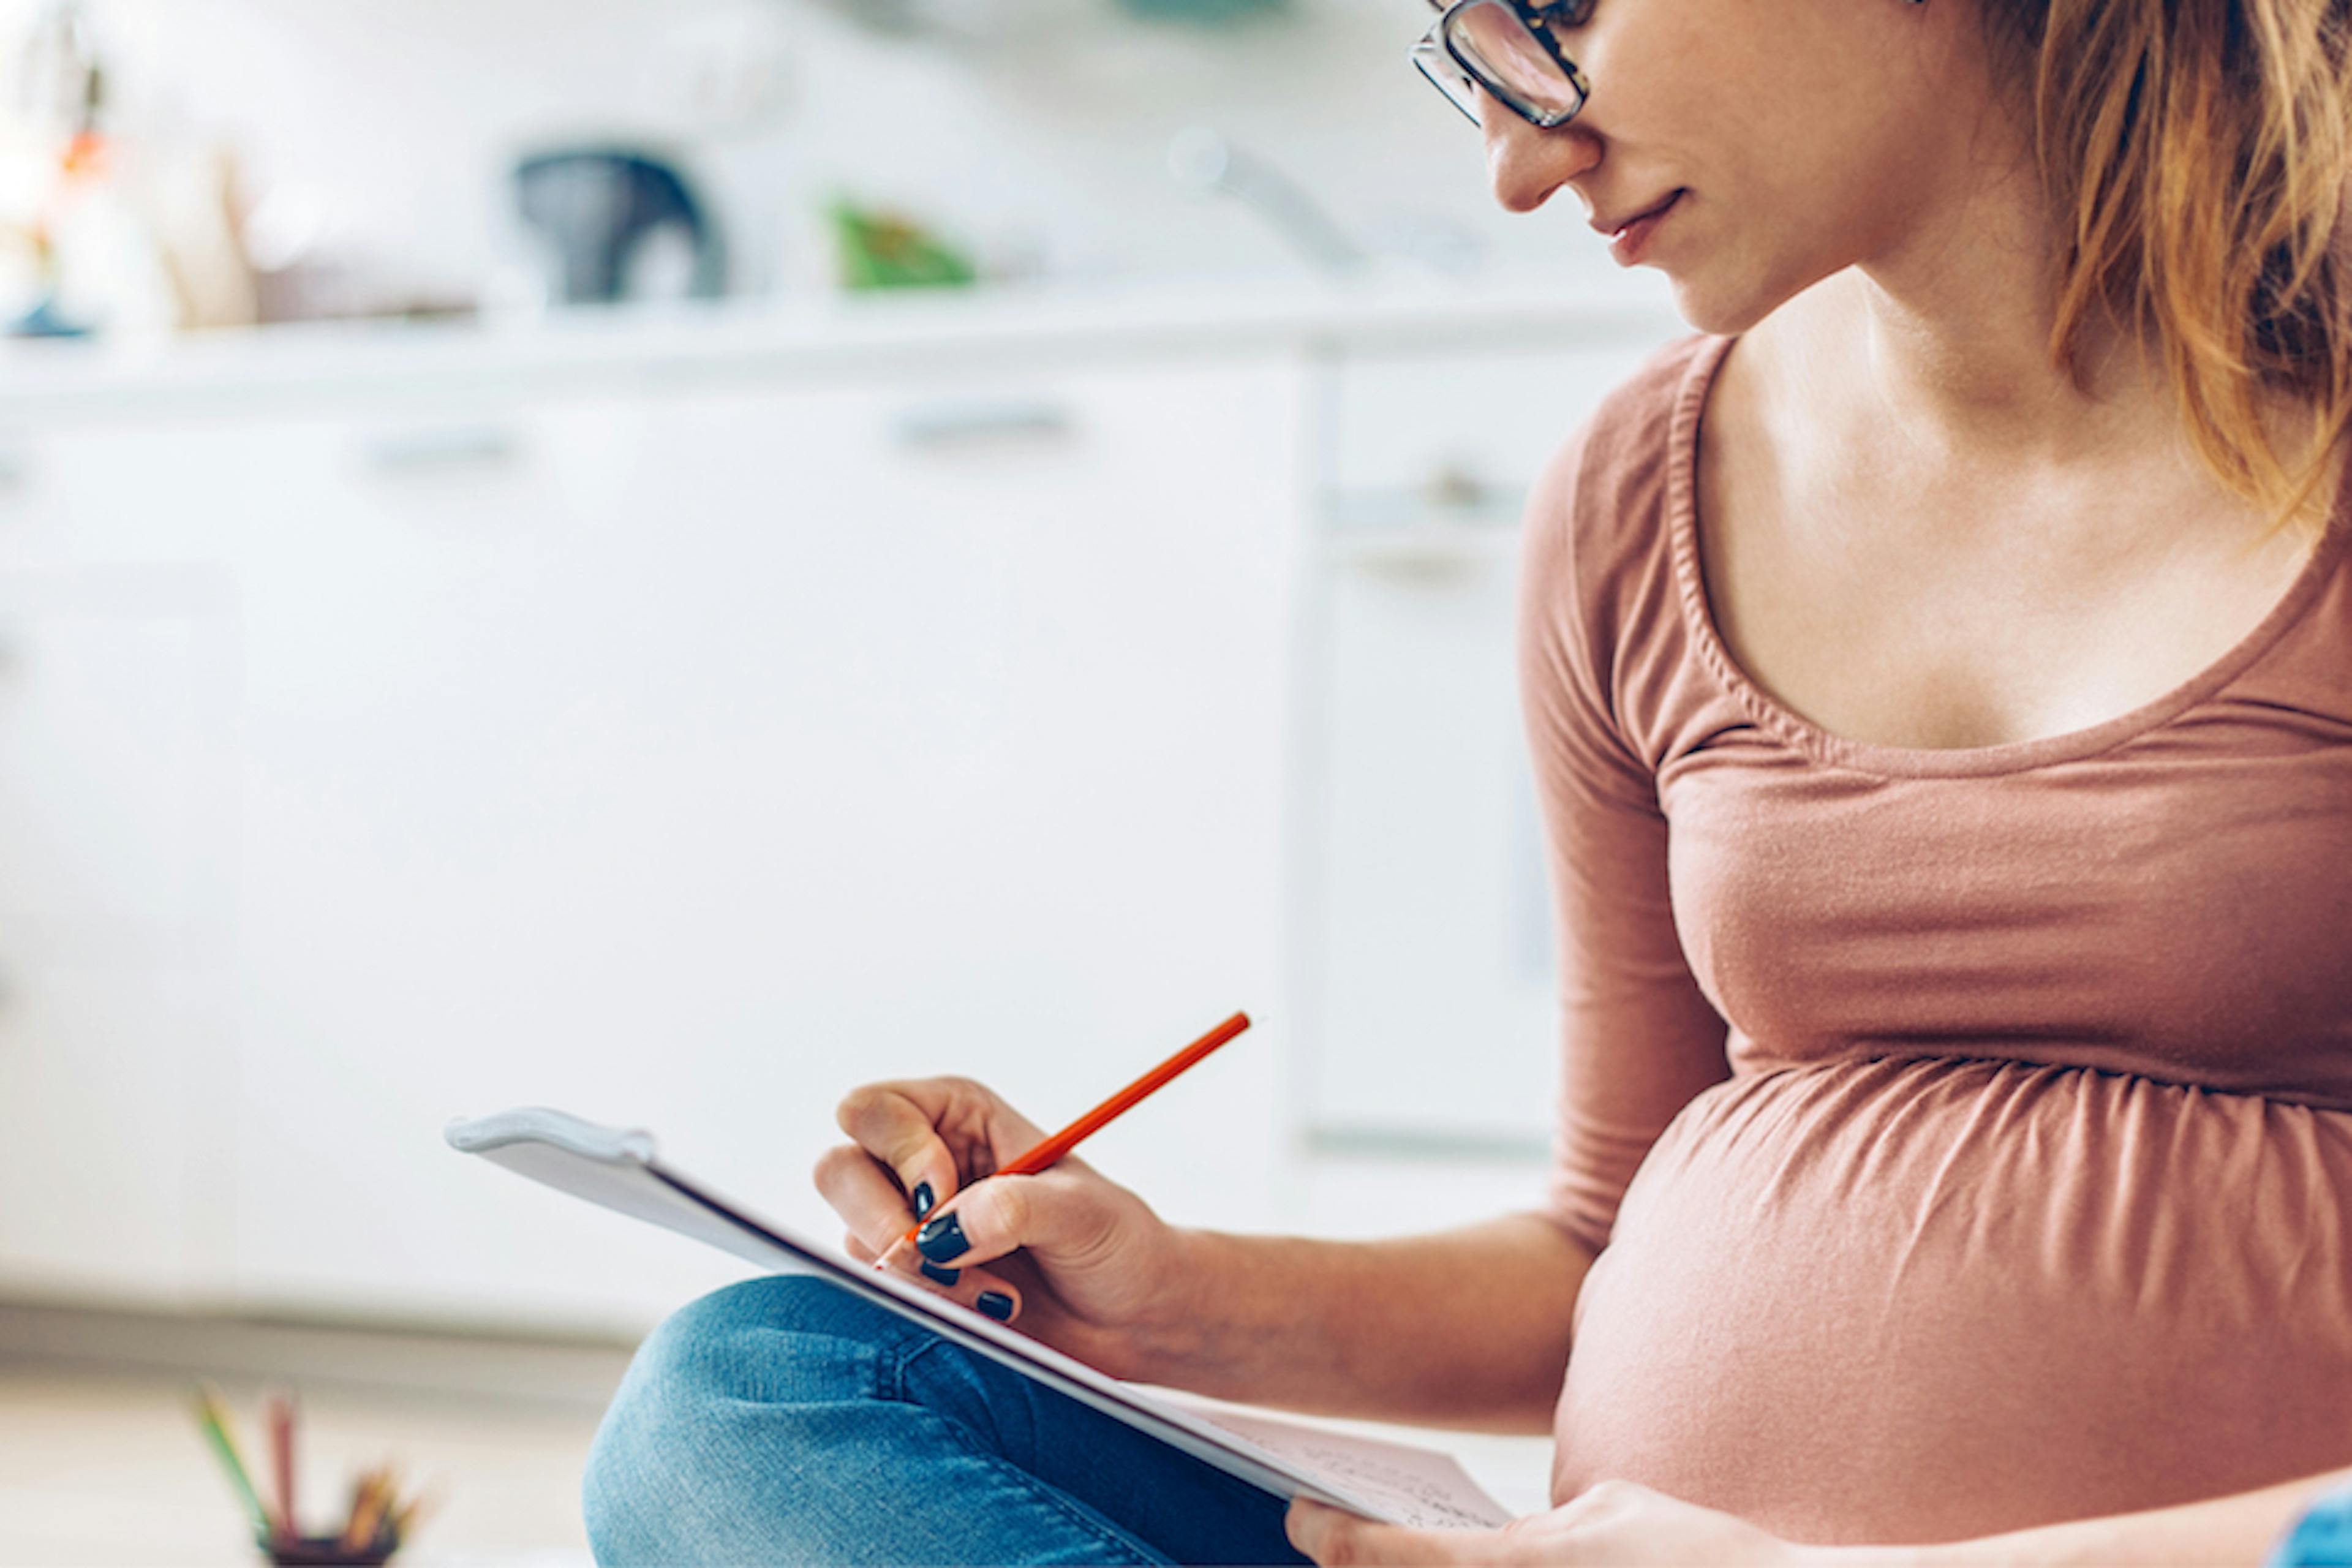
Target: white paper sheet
{"x": 1419, "y": 1486}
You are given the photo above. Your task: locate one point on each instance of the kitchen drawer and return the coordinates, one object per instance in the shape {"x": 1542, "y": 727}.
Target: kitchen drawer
{"x": 1433, "y": 981}
{"x": 131, "y": 493}
{"x": 1429, "y": 984}
{"x": 1415, "y": 433}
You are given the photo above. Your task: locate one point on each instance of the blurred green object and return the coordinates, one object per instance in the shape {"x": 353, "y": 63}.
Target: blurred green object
{"x": 884, "y": 250}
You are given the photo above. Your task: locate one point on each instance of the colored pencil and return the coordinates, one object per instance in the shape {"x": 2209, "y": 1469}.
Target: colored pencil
{"x": 1054, "y": 1148}
{"x": 281, "y": 1455}
{"x": 360, "y": 1485}
{"x": 214, "y": 1419}
{"x": 367, "y": 1509}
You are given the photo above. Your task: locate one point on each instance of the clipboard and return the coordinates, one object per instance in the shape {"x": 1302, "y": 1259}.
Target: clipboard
{"x": 619, "y": 1169}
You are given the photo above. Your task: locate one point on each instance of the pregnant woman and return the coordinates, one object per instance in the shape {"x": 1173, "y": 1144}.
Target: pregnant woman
{"x": 1939, "y": 675}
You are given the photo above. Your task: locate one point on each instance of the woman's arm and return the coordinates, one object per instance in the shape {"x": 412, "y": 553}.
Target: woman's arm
{"x": 1469, "y": 1327}
{"x": 1466, "y": 1328}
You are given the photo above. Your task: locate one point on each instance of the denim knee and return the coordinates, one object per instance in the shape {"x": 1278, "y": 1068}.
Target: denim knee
{"x": 660, "y": 1465}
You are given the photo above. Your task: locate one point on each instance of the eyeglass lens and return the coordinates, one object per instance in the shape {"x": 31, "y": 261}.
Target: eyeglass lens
{"x": 1508, "y": 59}
{"x": 1492, "y": 35}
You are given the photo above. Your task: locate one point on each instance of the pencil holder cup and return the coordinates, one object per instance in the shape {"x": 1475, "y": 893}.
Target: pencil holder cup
{"x": 323, "y": 1552}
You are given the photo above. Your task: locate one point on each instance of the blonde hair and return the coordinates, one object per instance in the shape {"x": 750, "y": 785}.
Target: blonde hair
{"x": 2196, "y": 154}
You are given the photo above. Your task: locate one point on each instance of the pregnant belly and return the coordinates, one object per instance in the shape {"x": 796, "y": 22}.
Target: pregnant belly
{"x": 1921, "y": 1300}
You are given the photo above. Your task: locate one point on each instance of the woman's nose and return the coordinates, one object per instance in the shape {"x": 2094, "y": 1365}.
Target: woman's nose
{"x": 1525, "y": 164}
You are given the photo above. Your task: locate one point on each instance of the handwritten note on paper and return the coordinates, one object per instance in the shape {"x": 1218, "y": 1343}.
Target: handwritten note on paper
{"x": 1419, "y": 1486}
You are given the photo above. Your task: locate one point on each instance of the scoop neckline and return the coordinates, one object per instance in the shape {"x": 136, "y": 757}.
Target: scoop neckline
{"x": 1933, "y": 762}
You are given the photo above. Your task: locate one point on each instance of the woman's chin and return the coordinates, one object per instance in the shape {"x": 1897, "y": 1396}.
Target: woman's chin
{"x": 1707, "y": 306}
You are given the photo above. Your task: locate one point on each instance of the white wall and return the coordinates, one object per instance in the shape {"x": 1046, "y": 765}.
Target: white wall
{"x": 1041, "y": 135}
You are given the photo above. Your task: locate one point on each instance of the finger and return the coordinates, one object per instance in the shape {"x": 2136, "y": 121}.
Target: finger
{"x": 864, "y": 1195}
{"x": 902, "y": 1130}
{"x": 984, "y": 1290}
{"x": 1329, "y": 1536}
{"x": 1332, "y": 1536}
{"x": 1326, "y": 1534}
{"x": 981, "y": 1129}
{"x": 1310, "y": 1532}
{"x": 991, "y": 1218}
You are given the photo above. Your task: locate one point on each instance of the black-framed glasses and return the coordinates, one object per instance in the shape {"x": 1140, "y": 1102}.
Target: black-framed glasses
{"x": 1506, "y": 48}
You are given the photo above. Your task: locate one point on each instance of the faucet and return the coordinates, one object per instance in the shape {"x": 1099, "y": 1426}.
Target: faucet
{"x": 1203, "y": 160}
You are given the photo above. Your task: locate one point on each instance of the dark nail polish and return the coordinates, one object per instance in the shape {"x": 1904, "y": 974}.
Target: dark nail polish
{"x": 942, "y": 1241}
{"x": 923, "y": 1200}
{"x": 996, "y": 1304}
{"x": 943, "y": 1276}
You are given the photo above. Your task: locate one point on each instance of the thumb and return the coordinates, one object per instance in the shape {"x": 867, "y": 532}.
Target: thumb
{"x": 1048, "y": 1214}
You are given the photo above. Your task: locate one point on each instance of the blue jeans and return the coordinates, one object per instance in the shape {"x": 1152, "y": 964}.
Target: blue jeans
{"x": 785, "y": 1420}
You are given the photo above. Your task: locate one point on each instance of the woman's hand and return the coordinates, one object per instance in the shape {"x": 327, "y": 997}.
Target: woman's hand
{"x": 1079, "y": 1262}
{"x": 1613, "y": 1522}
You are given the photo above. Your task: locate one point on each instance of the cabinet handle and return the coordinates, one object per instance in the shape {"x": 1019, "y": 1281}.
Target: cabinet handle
{"x": 416, "y": 454}
{"x": 1449, "y": 496}
{"x": 940, "y": 426}
{"x": 1449, "y": 523}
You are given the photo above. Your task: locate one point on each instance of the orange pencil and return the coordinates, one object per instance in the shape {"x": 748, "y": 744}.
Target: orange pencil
{"x": 367, "y": 1507}
{"x": 1045, "y": 1153}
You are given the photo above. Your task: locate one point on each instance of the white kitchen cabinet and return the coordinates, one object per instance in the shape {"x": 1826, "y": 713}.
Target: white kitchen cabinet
{"x": 1436, "y": 985}
{"x": 116, "y": 688}
{"x": 900, "y": 725}
{"x": 116, "y": 692}
{"x": 144, "y": 493}
{"x": 1429, "y": 986}
{"x": 108, "y": 1074}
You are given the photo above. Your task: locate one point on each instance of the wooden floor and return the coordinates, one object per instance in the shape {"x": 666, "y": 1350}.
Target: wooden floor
{"x": 105, "y": 1467}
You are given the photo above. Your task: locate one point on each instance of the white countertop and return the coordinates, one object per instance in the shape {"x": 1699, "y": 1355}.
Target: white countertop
{"x": 41, "y": 382}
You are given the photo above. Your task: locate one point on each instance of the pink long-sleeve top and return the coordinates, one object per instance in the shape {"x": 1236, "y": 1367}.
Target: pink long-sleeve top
{"x": 1967, "y": 1132}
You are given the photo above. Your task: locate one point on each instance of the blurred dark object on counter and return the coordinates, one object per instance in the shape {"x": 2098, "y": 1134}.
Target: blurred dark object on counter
{"x": 619, "y": 225}
{"x": 884, "y": 250}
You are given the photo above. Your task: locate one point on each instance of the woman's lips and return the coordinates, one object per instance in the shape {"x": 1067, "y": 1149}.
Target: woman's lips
{"x": 1626, "y": 245}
